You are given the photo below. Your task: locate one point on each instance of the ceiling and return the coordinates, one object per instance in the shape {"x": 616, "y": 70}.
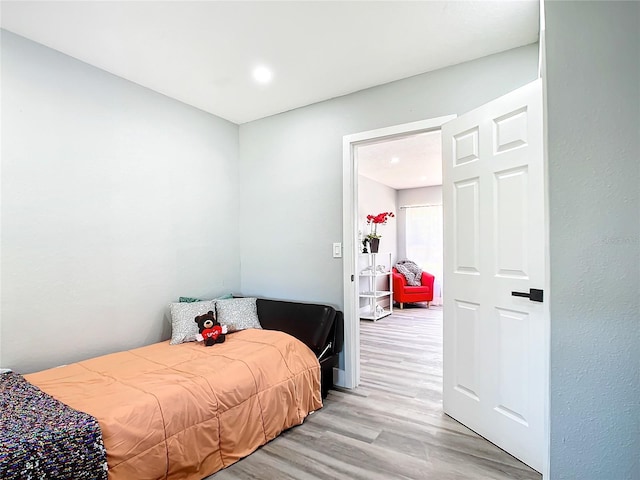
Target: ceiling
{"x": 406, "y": 162}
{"x": 202, "y": 53}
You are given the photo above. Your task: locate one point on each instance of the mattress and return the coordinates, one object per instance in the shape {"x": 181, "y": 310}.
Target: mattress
{"x": 186, "y": 411}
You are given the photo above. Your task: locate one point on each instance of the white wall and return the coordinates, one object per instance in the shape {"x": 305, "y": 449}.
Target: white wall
{"x": 413, "y": 196}
{"x": 593, "y": 107}
{"x": 115, "y": 201}
{"x": 291, "y": 169}
{"x": 374, "y": 198}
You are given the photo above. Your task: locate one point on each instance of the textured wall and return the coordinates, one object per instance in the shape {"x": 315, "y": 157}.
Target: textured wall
{"x": 115, "y": 201}
{"x": 593, "y": 68}
{"x": 291, "y": 169}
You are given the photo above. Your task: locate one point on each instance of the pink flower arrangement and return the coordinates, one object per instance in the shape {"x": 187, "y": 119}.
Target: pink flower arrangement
{"x": 375, "y": 220}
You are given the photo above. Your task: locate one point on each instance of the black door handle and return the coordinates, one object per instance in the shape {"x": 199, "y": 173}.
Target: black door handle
{"x": 534, "y": 295}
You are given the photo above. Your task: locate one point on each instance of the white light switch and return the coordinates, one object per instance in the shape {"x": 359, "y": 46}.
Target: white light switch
{"x": 337, "y": 250}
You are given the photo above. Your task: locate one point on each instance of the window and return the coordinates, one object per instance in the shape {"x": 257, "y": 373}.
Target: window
{"x": 424, "y": 242}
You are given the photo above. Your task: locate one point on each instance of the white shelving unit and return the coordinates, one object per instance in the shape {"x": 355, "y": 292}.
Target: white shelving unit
{"x": 376, "y": 287}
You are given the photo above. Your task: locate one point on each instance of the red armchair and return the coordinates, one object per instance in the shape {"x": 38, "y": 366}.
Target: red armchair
{"x": 403, "y": 293}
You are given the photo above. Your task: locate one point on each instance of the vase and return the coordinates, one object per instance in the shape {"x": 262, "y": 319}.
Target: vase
{"x": 374, "y": 243}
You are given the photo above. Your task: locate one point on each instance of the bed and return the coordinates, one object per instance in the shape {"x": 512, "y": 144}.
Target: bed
{"x": 186, "y": 411}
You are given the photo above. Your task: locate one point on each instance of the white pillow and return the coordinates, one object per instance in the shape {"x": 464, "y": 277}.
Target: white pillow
{"x": 183, "y": 320}
{"x": 238, "y": 313}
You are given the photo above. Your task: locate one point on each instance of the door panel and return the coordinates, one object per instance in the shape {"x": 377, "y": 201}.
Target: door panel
{"x": 511, "y": 210}
{"x": 467, "y": 227}
{"x": 465, "y": 146}
{"x": 510, "y": 130}
{"x": 466, "y": 345}
{"x": 513, "y": 352}
{"x": 494, "y": 232}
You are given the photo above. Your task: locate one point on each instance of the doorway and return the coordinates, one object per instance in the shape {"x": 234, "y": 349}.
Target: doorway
{"x": 351, "y": 372}
{"x": 401, "y": 176}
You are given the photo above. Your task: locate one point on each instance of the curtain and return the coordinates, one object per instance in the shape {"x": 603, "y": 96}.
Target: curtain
{"x": 424, "y": 242}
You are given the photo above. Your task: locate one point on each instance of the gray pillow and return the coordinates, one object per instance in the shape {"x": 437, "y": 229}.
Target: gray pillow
{"x": 238, "y": 313}
{"x": 183, "y": 320}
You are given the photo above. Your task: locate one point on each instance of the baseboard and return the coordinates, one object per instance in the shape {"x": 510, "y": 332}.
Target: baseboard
{"x": 339, "y": 377}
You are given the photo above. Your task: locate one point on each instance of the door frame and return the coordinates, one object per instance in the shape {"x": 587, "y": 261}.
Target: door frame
{"x": 350, "y": 376}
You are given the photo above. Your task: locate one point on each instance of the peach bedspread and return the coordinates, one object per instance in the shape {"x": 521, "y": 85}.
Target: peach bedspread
{"x": 187, "y": 411}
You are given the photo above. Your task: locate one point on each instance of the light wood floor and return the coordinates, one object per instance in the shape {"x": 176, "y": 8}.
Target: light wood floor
{"x": 392, "y": 426}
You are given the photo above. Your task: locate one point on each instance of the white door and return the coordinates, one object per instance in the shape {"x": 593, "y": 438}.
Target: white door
{"x": 495, "y": 244}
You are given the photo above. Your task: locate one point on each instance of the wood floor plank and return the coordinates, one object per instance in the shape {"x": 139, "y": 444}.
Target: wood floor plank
{"x": 392, "y": 426}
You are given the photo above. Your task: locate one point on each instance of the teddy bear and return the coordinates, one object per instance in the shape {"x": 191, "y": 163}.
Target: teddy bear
{"x": 210, "y": 329}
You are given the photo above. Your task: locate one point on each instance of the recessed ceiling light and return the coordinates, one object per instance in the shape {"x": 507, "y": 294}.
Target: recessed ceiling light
{"x": 262, "y": 74}
{"x": 395, "y": 160}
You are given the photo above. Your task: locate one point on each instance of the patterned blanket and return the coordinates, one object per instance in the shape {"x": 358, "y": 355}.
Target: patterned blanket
{"x": 411, "y": 271}
{"x": 42, "y": 438}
